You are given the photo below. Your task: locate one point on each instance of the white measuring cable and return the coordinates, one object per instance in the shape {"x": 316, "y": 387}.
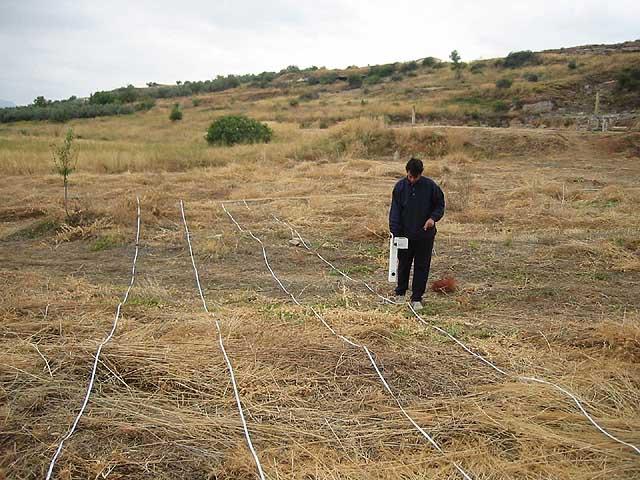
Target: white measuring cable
{"x": 99, "y": 350}
{"x": 521, "y": 378}
{"x": 346, "y": 340}
{"x": 224, "y": 352}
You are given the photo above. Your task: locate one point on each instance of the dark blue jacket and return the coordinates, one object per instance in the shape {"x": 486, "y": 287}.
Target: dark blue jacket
{"x": 413, "y": 205}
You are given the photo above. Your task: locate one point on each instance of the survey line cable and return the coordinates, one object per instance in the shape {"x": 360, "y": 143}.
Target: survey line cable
{"x": 92, "y": 377}
{"x": 521, "y": 378}
{"x": 224, "y": 352}
{"x": 428, "y": 437}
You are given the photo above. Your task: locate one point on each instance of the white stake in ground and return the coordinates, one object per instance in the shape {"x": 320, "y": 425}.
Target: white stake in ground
{"x": 99, "y": 350}
{"x": 435, "y": 445}
{"x": 224, "y": 352}
{"x": 520, "y": 378}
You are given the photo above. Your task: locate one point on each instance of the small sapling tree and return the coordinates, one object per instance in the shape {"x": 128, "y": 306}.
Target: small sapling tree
{"x": 457, "y": 65}
{"x": 65, "y": 158}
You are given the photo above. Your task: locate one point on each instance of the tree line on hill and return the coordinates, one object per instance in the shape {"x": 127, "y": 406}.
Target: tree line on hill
{"x": 129, "y": 99}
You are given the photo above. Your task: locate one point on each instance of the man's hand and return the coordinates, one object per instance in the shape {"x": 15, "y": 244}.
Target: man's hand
{"x": 430, "y": 224}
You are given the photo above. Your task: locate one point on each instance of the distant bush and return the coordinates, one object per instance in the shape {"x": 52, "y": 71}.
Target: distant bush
{"x": 313, "y": 80}
{"x": 328, "y": 78}
{"x": 430, "y": 62}
{"x": 145, "y": 104}
{"x": 408, "y": 67}
{"x": 500, "y": 106}
{"x": 396, "y": 77}
{"x": 290, "y": 69}
{"x": 294, "y": 102}
{"x": 520, "y": 59}
{"x": 102, "y": 98}
{"x": 629, "y": 79}
{"x": 196, "y": 102}
{"x": 40, "y": 102}
{"x": 477, "y": 68}
{"x": 531, "y": 77}
{"x": 354, "y": 80}
{"x": 176, "y": 113}
{"x": 372, "y": 79}
{"x": 504, "y": 83}
{"x": 572, "y": 65}
{"x": 127, "y": 94}
{"x": 234, "y": 129}
{"x": 382, "y": 70}
{"x": 61, "y": 111}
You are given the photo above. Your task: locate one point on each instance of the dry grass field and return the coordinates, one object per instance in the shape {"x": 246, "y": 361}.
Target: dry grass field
{"x": 541, "y": 232}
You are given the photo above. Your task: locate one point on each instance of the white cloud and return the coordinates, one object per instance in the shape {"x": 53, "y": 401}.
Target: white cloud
{"x": 73, "y": 48}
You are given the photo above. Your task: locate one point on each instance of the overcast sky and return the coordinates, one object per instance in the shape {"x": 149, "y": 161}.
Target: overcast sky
{"x": 63, "y": 48}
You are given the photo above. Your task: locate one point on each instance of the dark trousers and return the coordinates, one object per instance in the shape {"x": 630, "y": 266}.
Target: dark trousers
{"x": 418, "y": 253}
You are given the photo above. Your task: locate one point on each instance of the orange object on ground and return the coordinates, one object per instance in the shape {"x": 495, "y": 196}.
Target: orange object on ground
{"x": 444, "y": 285}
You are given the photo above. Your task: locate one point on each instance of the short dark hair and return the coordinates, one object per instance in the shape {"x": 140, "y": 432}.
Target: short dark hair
{"x": 415, "y": 166}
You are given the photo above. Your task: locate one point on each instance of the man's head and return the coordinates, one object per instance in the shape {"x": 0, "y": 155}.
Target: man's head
{"x": 414, "y": 170}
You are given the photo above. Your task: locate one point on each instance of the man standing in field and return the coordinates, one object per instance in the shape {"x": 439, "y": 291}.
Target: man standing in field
{"x": 417, "y": 203}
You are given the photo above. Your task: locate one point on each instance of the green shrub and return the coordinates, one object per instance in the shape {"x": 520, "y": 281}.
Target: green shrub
{"x": 102, "y": 98}
{"x": 40, "y": 102}
{"x": 382, "y": 70}
{"x": 372, "y": 79}
{"x": 504, "y": 83}
{"x": 531, "y": 77}
{"x": 354, "y": 80}
{"x": 145, "y": 105}
{"x": 629, "y": 79}
{"x": 500, "y": 106}
{"x": 477, "y": 68}
{"x": 234, "y": 129}
{"x": 408, "y": 67}
{"x": 396, "y": 77}
{"x": 572, "y": 65}
{"x": 328, "y": 79}
{"x": 176, "y": 113}
{"x": 520, "y": 59}
{"x": 196, "y": 102}
{"x": 294, "y": 102}
{"x": 430, "y": 62}
{"x": 127, "y": 94}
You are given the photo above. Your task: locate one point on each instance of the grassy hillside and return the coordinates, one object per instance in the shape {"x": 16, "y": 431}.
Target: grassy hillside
{"x": 493, "y": 92}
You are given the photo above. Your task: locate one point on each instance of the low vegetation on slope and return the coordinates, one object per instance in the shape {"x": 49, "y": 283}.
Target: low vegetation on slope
{"x": 492, "y": 92}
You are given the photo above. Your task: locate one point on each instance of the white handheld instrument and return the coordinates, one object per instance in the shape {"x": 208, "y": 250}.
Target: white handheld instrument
{"x": 395, "y": 244}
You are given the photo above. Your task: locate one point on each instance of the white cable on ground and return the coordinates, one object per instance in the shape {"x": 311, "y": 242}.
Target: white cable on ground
{"x": 224, "y": 352}
{"x": 346, "y": 340}
{"x": 99, "y": 350}
{"x": 521, "y": 378}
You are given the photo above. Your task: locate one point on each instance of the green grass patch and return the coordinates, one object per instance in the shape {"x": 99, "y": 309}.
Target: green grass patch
{"x": 37, "y": 229}
{"x": 105, "y": 242}
{"x": 277, "y": 311}
{"x": 144, "y": 301}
